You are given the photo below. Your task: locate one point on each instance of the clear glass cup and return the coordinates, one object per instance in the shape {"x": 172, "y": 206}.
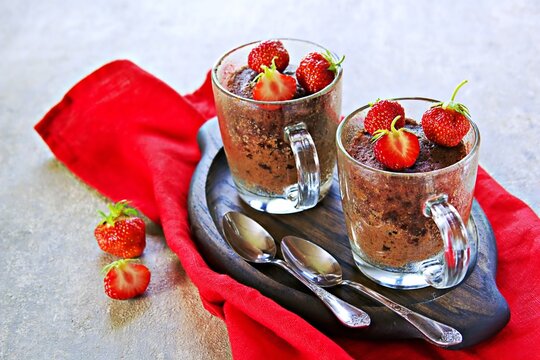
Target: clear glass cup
{"x": 409, "y": 230}
{"x": 281, "y": 154}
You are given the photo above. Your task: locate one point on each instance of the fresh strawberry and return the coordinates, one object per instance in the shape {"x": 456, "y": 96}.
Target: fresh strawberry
{"x": 125, "y": 279}
{"x": 265, "y": 52}
{"x": 396, "y": 149}
{"x": 271, "y": 85}
{"x": 381, "y": 114}
{"x": 316, "y": 71}
{"x": 446, "y": 123}
{"x": 121, "y": 232}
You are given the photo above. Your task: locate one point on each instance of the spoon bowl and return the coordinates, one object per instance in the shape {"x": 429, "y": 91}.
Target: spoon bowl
{"x": 312, "y": 261}
{"x": 248, "y": 239}
{"x": 320, "y": 267}
{"x": 254, "y": 244}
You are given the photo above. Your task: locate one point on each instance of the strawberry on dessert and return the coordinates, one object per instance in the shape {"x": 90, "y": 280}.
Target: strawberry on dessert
{"x": 317, "y": 70}
{"x": 446, "y": 123}
{"x": 121, "y": 232}
{"x": 271, "y": 85}
{"x": 381, "y": 115}
{"x": 266, "y": 52}
{"x": 125, "y": 279}
{"x": 396, "y": 149}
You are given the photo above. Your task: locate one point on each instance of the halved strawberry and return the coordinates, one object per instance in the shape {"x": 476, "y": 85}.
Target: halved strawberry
{"x": 263, "y": 54}
{"x": 121, "y": 232}
{"x": 381, "y": 114}
{"x": 273, "y": 86}
{"x": 316, "y": 71}
{"x": 446, "y": 123}
{"x": 396, "y": 149}
{"x": 125, "y": 279}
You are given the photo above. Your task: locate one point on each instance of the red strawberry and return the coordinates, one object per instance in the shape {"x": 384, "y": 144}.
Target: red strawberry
{"x": 381, "y": 114}
{"x": 446, "y": 123}
{"x": 121, "y": 232}
{"x": 265, "y": 52}
{"x": 396, "y": 149}
{"x": 316, "y": 71}
{"x": 125, "y": 279}
{"x": 273, "y": 86}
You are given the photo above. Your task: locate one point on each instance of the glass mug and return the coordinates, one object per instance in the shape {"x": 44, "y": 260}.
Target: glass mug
{"x": 409, "y": 230}
{"x": 281, "y": 153}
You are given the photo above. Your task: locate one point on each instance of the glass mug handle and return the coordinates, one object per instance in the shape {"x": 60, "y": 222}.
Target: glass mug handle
{"x": 306, "y": 191}
{"x": 456, "y": 244}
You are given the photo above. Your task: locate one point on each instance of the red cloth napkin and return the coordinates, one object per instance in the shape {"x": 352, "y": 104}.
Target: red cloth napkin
{"x": 131, "y": 136}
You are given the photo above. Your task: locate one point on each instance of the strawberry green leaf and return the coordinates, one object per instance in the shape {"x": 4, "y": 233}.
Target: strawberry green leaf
{"x": 330, "y": 58}
{"x": 377, "y": 135}
{"x": 451, "y": 105}
{"x": 117, "y": 210}
{"x": 116, "y": 264}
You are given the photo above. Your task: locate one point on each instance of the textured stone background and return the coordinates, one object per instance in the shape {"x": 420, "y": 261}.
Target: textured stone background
{"x": 51, "y": 304}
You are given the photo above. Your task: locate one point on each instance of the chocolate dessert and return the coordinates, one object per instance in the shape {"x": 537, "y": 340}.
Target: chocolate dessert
{"x": 432, "y": 157}
{"x": 385, "y": 208}
{"x": 258, "y": 155}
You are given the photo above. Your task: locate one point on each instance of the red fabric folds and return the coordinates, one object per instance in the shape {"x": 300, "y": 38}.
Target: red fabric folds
{"x": 131, "y": 136}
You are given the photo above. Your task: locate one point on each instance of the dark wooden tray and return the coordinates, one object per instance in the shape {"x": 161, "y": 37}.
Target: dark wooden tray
{"x": 475, "y": 307}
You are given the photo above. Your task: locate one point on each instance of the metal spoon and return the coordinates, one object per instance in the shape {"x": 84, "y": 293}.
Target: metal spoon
{"x": 253, "y": 243}
{"x": 321, "y": 268}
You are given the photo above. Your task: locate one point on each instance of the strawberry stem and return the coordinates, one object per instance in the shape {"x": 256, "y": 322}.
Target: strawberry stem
{"x": 373, "y": 103}
{"x": 381, "y": 132}
{"x": 393, "y": 125}
{"x": 457, "y": 89}
{"x": 268, "y": 72}
{"x": 460, "y": 108}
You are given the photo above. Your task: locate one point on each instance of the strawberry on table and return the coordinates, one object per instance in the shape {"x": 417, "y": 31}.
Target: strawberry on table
{"x": 381, "y": 114}
{"x": 121, "y": 232}
{"x": 317, "y": 70}
{"x": 125, "y": 279}
{"x": 446, "y": 123}
{"x": 271, "y": 85}
{"x": 396, "y": 149}
{"x": 266, "y": 52}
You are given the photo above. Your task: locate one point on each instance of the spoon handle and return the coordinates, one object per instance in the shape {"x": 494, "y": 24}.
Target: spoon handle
{"x": 346, "y": 313}
{"x": 436, "y": 332}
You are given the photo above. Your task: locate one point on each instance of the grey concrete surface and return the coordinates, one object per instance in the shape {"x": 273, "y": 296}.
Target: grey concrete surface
{"x": 51, "y": 301}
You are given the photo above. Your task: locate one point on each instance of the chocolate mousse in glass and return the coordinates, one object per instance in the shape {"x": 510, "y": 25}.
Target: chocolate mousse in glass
{"x": 411, "y": 228}
{"x": 282, "y": 153}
